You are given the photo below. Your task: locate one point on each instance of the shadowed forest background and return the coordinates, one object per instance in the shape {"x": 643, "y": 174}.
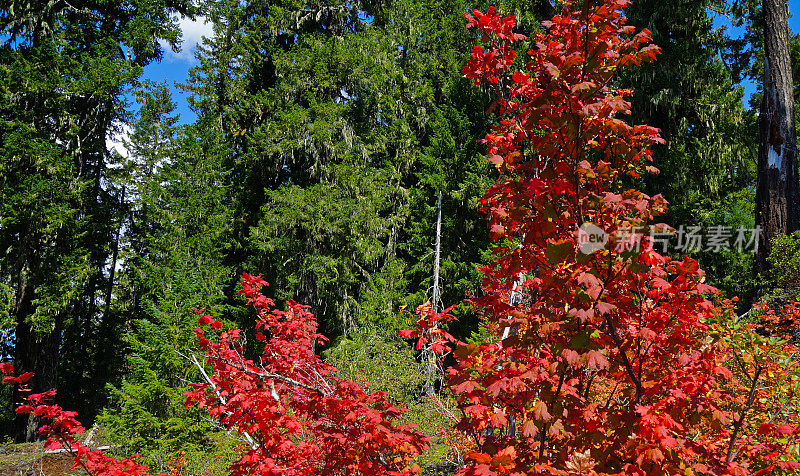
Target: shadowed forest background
{"x": 324, "y": 134}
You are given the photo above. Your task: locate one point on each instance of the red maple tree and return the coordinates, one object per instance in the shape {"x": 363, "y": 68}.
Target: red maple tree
{"x": 604, "y": 360}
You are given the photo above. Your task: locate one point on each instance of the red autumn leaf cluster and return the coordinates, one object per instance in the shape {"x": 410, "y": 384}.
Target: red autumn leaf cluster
{"x": 429, "y": 332}
{"x": 297, "y": 417}
{"x": 764, "y": 381}
{"x": 490, "y": 64}
{"x": 60, "y": 431}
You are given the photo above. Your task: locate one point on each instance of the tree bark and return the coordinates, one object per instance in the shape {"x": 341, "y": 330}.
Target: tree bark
{"x": 33, "y": 352}
{"x": 24, "y": 360}
{"x": 778, "y": 194}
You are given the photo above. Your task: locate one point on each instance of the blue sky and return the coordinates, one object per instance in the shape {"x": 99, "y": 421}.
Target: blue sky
{"x": 174, "y": 68}
{"x": 794, "y": 26}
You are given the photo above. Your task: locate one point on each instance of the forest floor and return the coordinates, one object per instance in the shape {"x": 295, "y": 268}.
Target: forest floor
{"x": 30, "y": 459}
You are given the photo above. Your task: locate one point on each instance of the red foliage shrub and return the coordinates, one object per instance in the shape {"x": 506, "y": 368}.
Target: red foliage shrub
{"x": 299, "y": 418}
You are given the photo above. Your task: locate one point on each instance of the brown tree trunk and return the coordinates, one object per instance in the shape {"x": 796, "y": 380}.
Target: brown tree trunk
{"x": 33, "y": 353}
{"x": 24, "y": 360}
{"x": 777, "y": 196}
{"x": 37, "y": 354}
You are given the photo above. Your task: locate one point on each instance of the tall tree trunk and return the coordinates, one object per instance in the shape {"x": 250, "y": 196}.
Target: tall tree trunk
{"x": 38, "y": 354}
{"x": 105, "y": 340}
{"x": 24, "y": 360}
{"x": 33, "y": 352}
{"x": 778, "y": 194}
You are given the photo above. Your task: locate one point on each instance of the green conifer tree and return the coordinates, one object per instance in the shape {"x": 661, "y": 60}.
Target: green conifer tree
{"x": 65, "y": 68}
{"x": 708, "y": 162}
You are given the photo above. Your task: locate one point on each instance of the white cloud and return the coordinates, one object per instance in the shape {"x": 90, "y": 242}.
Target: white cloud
{"x": 193, "y": 33}
{"x": 116, "y": 141}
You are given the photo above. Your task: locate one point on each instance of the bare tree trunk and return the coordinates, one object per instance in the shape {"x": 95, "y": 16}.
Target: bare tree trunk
{"x": 435, "y": 299}
{"x": 428, "y": 356}
{"x": 778, "y": 194}
{"x": 105, "y": 351}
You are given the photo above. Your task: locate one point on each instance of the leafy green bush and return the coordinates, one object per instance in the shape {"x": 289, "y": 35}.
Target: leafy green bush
{"x": 784, "y": 260}
{"x": 388, "y": 364}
